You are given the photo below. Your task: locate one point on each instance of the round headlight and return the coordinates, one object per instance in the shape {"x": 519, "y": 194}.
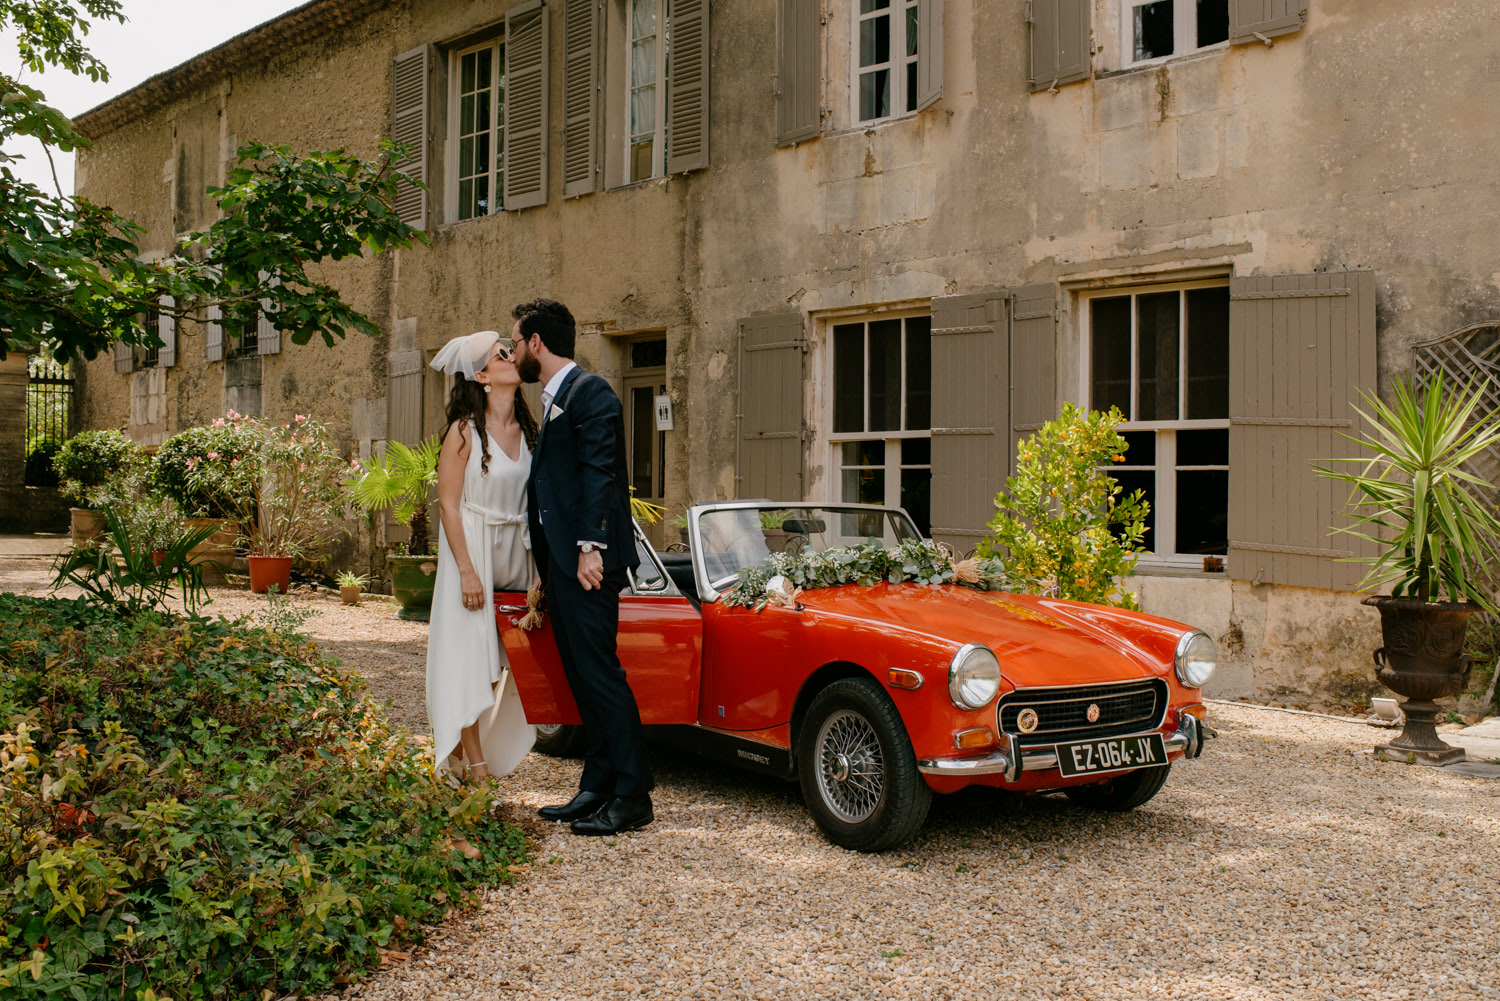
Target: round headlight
{"x": 1197, "y": 656}
{"x": 974, "y": 676}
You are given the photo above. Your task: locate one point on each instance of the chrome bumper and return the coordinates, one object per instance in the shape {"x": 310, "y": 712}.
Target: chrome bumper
{"x": 1010, "y": 760}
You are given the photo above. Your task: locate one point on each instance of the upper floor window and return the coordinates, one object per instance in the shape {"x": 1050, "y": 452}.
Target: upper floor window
{"x": 885, "y": 52}
{"x": 647, "y": 92}
{"x": 1158, "y": 29}
{"x": 150, "y": 357}
{"x": 477, "y": 129}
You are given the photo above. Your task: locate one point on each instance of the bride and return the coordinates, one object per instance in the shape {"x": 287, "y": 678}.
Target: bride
{"x": 483, "y": 547}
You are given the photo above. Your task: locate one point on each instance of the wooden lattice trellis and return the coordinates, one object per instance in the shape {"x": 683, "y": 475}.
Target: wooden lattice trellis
{"x": 1468, "y": 355}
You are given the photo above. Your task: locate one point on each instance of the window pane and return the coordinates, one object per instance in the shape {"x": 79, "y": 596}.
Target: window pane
{"x": 1144, "y": 479}
{"x": 911, "y": 86}
{"x": 642, "y": 431}
{"x": 1208, "y": 353}
{"x": 647, "y": 577}
{"x": 643, "y": 110}
{"x": 1109, "y": 354}
{"x": 482, "y": 155}
{"x": 919, "y": 373}
{"x": 1158, "y": 328}
{"x": 865, "y": 6}
{"x": 875, "y": 41}
{"x": 911, "y": 30}
{"x": 466, "y": 115}
{"x": 849, "y": 377}
{"x": 1142, "y": 450}
{"x": 1203, "y": 512}
{"x": 885, "y": 375}
{"x": 643, "y": 62}
{"x": 481, "y": 195}
{"x": 1203, "y": 448}
{"x": 642, "y": 18}
{"x": 916, "y": 451}
{"x": 482, "y": 68}
{"x": 864, "y": 486}
{"x": 916, "y": 497}
{"x": 1153, "y": 30}
{"x": 482, "y": 112}
{"x": 466, "y": 199}
{"x": 874, "y": 95}
{"x": 1213, "y": 22}
{"x": 641, "y": 157}
{"x": 466, "y": 72}
{"x": 648, "y": 354}
{"x": 863, "y": 453}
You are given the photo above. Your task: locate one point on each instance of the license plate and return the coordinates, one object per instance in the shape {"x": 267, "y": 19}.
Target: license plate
{"x": 1116, "y": 754}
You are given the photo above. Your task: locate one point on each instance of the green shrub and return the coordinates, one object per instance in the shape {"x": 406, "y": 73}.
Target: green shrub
{"x": 89, "y": 459}
{"x": 1061, "y": 523}
{"x": 39, "y": 470}
{"x": 202, "y": 809}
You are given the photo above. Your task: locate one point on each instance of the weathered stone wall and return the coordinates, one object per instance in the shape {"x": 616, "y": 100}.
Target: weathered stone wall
{"x": 1340, "y": 147}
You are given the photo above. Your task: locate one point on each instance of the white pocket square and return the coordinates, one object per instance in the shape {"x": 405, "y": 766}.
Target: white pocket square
{"x": 554, "y": 413}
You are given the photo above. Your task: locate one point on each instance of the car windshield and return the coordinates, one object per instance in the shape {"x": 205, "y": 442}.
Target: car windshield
{"x": 734, "y": 538}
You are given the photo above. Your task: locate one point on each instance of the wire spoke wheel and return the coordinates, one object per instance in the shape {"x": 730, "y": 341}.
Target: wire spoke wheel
{"x": 850, "y": 768}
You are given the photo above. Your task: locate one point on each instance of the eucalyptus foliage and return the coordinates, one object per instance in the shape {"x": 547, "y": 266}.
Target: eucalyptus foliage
{"x": 915, "y": 561}
{"x": 1414, "y": 500}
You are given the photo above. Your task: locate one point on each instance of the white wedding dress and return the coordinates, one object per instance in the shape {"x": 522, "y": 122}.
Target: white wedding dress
{"x": 464, "y": 656}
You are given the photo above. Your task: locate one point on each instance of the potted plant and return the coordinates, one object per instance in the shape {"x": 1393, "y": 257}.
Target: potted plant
{"x": 84, "y": 465}
{"x": 1432, "y": 535}
{"x": 402, "y": 480}
{"x": 283, "y": 494}
{"x": 350, "y": 585}
{"x": 193, "y": 468}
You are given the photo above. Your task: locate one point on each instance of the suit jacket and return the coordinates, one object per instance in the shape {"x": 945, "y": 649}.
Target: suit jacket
{"x": 579, "y": 487}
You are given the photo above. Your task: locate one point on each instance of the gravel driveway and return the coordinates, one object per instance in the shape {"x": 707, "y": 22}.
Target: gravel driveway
{"x": 1273, "y": 867}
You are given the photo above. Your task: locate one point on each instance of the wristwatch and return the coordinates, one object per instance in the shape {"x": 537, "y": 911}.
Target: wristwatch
{"x": 587, "y": 547}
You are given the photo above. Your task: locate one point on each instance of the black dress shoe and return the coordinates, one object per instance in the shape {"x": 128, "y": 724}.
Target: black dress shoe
{"x": 623, "y": 813}
{"x": 581, "y": 805}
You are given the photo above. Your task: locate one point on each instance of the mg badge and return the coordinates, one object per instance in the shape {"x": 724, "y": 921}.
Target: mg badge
{"x": 1027, "y": 720}
{"x": 1093, "y": 713}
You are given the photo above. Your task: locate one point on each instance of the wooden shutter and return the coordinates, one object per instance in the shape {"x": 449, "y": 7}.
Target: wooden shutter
{"x": 526, "y": 79}
{"x": 213, "y": 333}
{"x": 1262, "y": 20}
{"x": 1059, "y": 42}
{"x": 929, "y": 52}
{"x": 687, "y": 88}
{"x": 970, "y": 404}
{"x": 404, "y": 396}
{"x": 1033, "y": 361}
{"x": 267, "y": 337}
{"x": 166, "y": 329}
{"x": 124, "y": 357}
{"x": 772, "y": 430}
{"x": 409, "y": 108}
{"x": 799, "y": 71}
{"x": 1300, "y": 348}
{"x": 583, "y": 22}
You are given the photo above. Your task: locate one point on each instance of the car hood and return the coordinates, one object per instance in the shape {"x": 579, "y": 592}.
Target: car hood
{"x": 1039, "y": 641}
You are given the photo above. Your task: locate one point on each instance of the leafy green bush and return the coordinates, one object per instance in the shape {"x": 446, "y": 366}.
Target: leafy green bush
{"x": 39, "y": 471}
{"x": 123, "y": 570}
{"x": 1061, "y": 523}
{"x": 193, "y": 467}
{"x": 201, "y": 809}
{"x": 87, "y": 460}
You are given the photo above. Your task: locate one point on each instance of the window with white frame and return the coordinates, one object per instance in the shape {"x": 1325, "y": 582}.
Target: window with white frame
{"x": 885, "y": 57}
{"x": 1159, "y": 29}
{"x": 881, "y": 438}
{"x": 476, "y": 126}
{"x": 647, "y": 39}
{"x": 1161, "y": 355}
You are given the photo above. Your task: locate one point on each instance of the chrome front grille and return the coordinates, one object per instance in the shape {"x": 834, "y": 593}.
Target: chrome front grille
{"x": 1062, "y": 713}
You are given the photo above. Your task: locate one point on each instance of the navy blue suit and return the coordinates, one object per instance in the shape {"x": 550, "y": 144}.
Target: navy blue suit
{"x": 579, "y": 491}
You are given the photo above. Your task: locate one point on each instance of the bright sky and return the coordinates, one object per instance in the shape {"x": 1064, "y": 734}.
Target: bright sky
{"x": 159, "y": 34}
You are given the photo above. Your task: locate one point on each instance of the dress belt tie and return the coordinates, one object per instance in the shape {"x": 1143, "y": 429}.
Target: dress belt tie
{"x": 502, "y": 519}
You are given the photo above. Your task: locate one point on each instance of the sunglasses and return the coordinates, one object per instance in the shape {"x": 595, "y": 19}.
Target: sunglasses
{"x": 505, "y": 350}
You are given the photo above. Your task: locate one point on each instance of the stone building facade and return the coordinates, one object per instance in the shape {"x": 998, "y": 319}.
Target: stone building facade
{"x": 866, "y": 245}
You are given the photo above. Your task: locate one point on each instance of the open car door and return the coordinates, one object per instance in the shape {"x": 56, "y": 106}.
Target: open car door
{"x": 660, "y": 645}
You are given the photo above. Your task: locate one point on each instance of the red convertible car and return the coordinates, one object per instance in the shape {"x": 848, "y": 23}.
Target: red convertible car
{"x": 876, "y": 697}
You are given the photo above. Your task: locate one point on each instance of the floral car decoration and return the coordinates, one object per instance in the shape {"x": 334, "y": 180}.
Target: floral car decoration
{"x": 833, "y": 646}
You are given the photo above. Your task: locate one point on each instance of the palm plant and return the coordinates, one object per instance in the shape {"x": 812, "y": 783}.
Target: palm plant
{"x": 1418, "y": 504}
{"x": 401, "y": 480}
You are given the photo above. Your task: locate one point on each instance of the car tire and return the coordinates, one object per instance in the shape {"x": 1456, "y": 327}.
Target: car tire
{"x": 560, "y": 740}
{"x": 853, "y": 732}
{"x": 1124, "y": 793}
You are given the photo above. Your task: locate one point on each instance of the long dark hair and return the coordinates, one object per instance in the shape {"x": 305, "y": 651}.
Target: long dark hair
{"x": 466, "y": 402}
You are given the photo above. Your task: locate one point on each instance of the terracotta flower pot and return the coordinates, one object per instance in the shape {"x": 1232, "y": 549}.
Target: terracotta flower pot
{"x": 1423, "y": 659}
{"x": 87, "y": 526}
{"x": 268, "y": 570}
{"x": 349, "y": 595}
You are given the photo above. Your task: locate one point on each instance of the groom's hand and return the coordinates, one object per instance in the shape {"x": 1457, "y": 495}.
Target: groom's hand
{"x": 590, "y": 570}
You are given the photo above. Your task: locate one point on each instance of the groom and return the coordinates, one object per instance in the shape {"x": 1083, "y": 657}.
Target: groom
{"x": 578, "y": 503}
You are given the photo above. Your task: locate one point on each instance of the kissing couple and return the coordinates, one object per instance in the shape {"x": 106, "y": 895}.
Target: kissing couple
{"x": 525, "y": 502}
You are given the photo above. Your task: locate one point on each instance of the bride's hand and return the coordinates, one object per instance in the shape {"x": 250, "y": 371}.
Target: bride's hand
{"x": 473, "y": 592}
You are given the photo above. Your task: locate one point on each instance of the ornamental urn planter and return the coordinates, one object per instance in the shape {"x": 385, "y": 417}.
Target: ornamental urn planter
{"x": 268, "y": 570}
{"x": 412, "y": 580}
{"x": 86, "y": 527}
{"x": 1423, "y": 660}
